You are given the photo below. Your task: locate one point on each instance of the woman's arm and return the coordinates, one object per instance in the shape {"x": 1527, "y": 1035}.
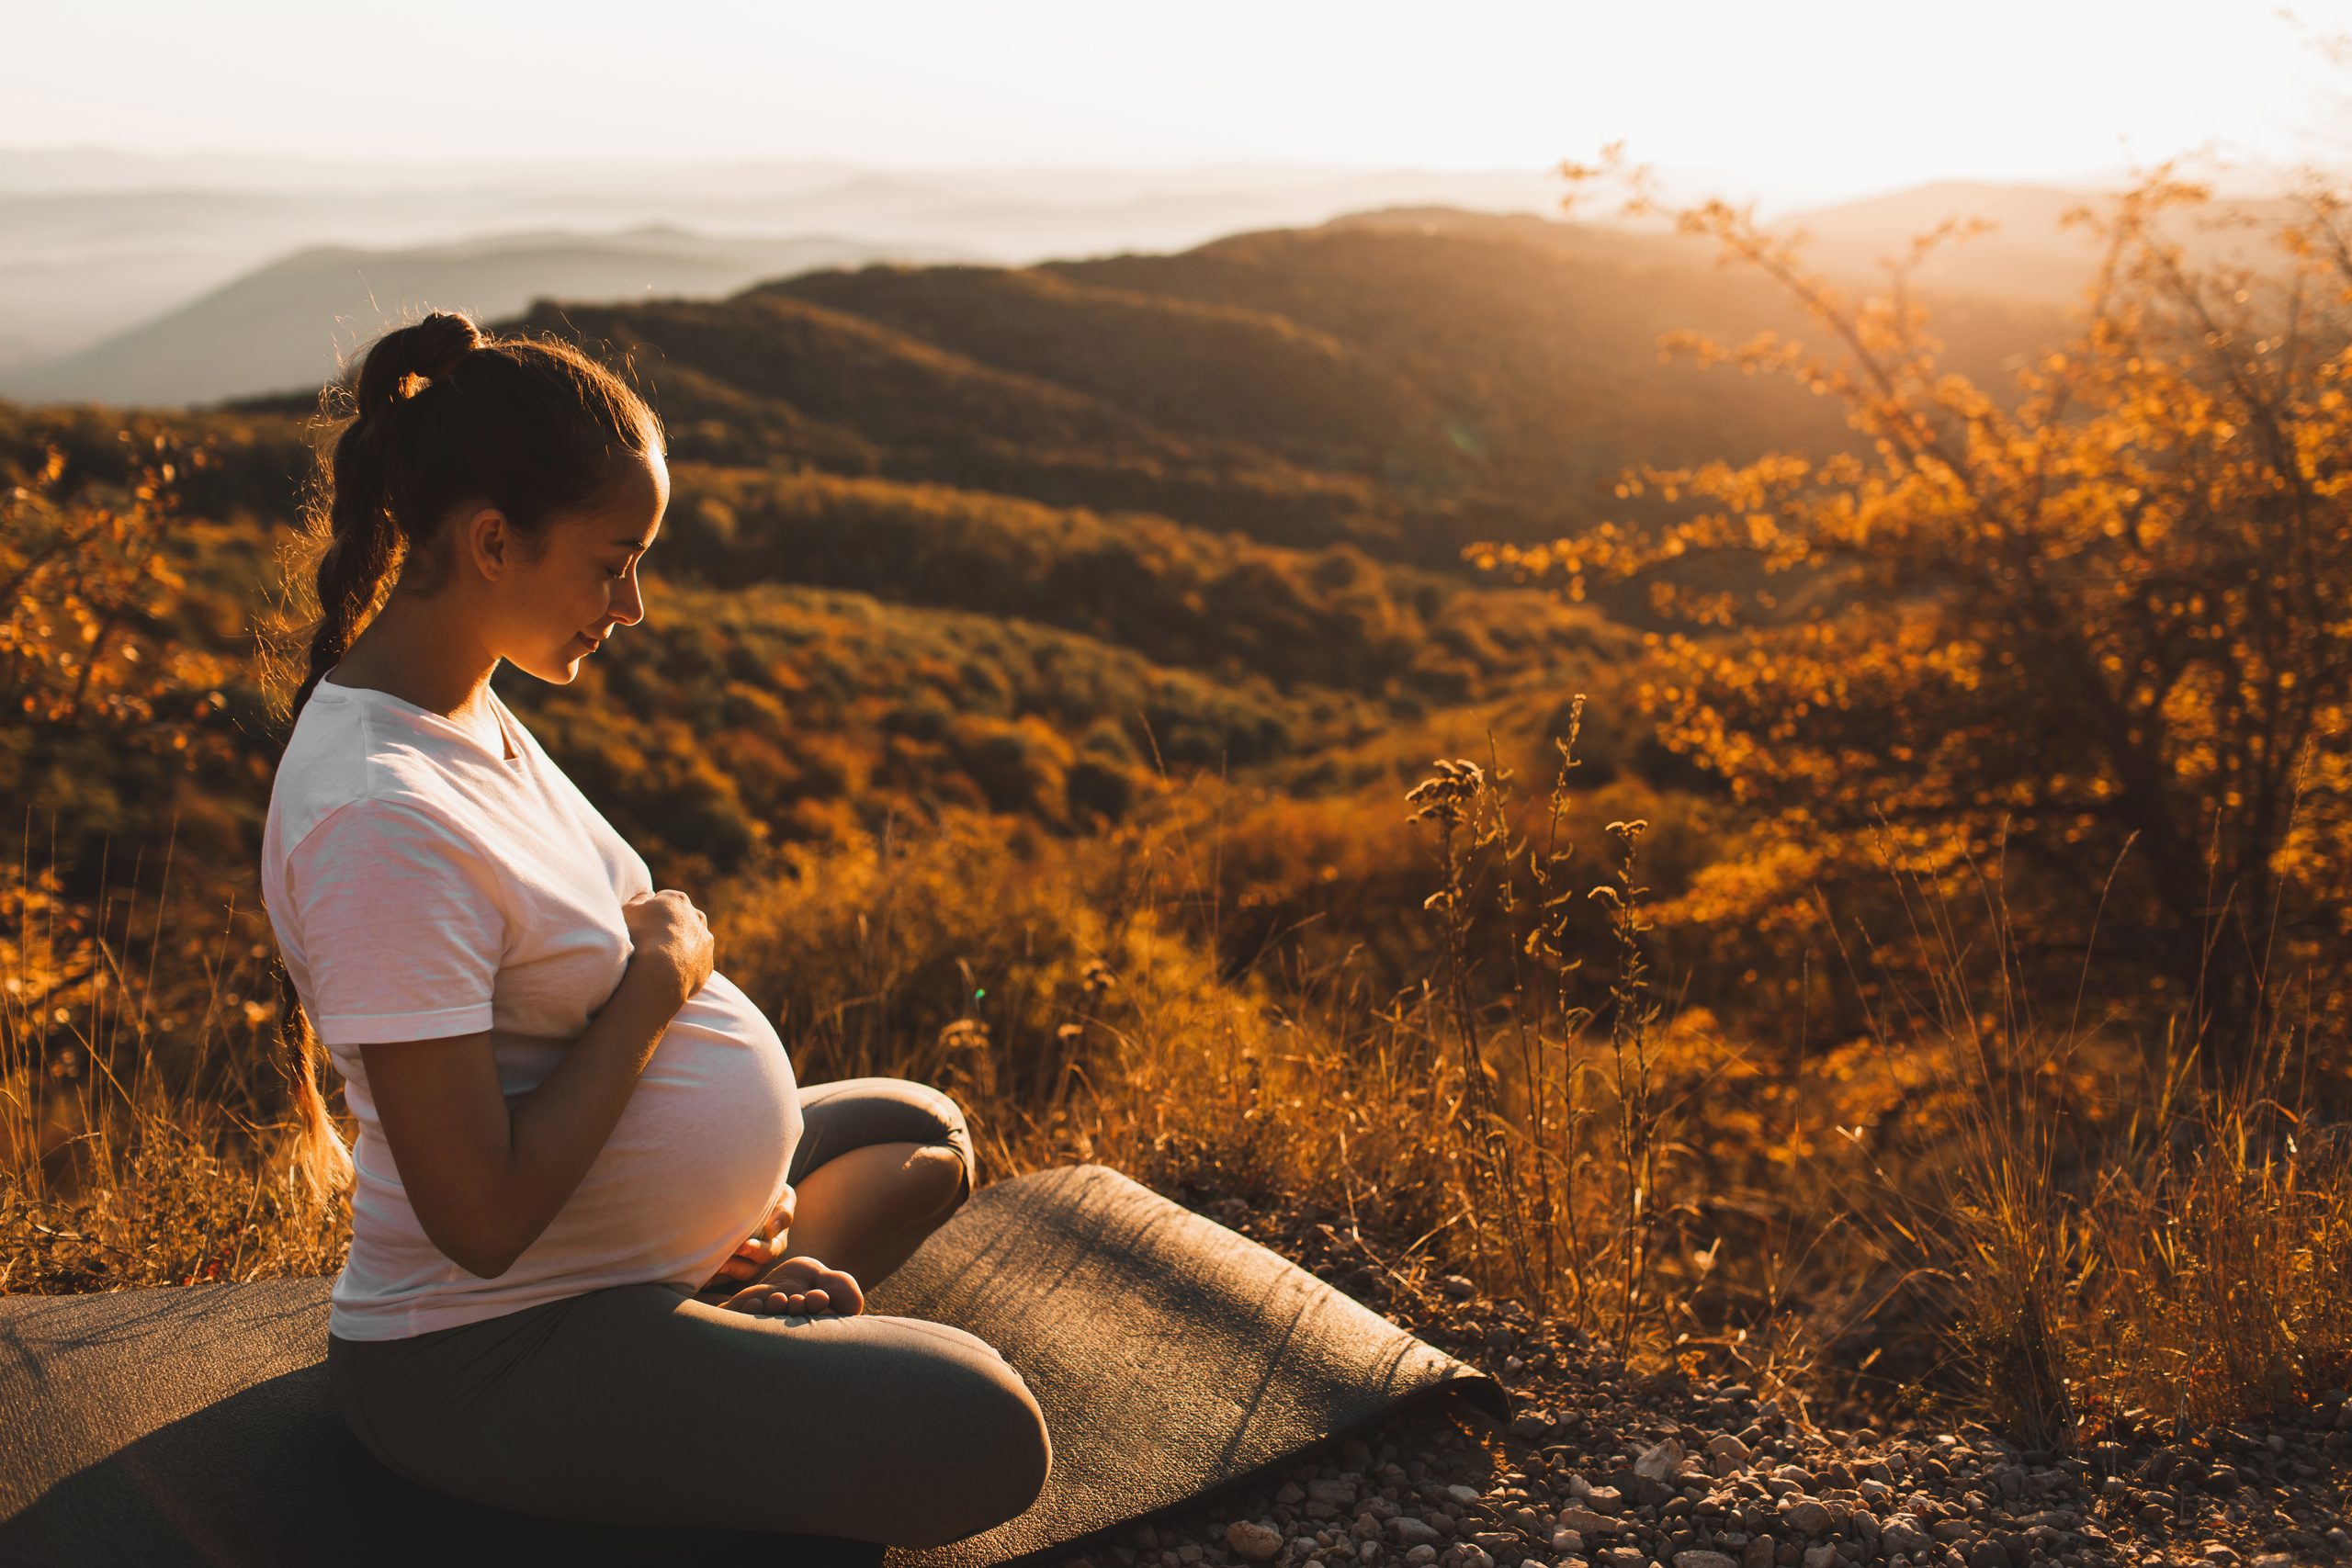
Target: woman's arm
{"x": 486, "y": 1176}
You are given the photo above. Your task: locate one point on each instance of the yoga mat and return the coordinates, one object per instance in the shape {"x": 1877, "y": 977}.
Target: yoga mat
{"x": 1171, "y": 1356}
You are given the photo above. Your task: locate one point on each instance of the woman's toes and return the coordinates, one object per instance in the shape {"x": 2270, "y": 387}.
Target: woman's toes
{"x": 842, "y": 1288}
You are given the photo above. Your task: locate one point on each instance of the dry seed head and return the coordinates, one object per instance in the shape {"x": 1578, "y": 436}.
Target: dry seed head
{"x": 1457, "y": 783}
{"x": 964, "y": 1034}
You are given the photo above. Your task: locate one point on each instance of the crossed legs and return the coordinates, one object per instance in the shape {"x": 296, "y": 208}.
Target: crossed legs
{"x": 635, "y": 1405}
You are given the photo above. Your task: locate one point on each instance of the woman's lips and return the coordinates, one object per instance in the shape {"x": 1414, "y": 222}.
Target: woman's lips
{"x": 590, "y": 643}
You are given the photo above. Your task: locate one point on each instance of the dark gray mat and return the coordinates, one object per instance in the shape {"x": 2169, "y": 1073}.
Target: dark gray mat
{"x": 1172, "y": 1358}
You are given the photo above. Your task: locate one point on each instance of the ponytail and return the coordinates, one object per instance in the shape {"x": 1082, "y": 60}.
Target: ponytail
{"x": 439, "y": 414}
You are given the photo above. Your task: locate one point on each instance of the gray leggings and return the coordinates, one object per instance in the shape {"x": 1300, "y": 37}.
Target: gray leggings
{"x": 640, "y": 1404}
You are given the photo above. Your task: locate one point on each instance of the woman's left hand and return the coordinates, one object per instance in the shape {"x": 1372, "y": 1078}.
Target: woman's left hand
{"x": 757, "y": 1252}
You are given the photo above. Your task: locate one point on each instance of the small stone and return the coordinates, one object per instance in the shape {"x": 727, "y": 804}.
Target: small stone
{"x": 1567, "y": 1543}
{"x": 1410, "y": 1531}
{"x": 1418, "y": 1557}
{"x": 1466, "y": 1495}
{"x": 1702, "y": 1559}
{"x": 1805, "y": 1517}
{"x": 1339, "y": 1494}
{"x": 1900, "y": 1532}
{"x": 1457, "y": 1287}
{"x": 1822, "y": 1556}
{"x": 1583, "y": 1521}
{"x": 1254, "y": 1542}
{"x": 1659, "y": 1461}
{"x": 1528, "y": 1426}
{"x": 1726, "y": 1454}
{"x": 1762, "y": 1551}
{"x": 1987, "y": 1554}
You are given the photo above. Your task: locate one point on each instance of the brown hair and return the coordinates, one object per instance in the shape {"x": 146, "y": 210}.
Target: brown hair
{"x": 439, "y": 413}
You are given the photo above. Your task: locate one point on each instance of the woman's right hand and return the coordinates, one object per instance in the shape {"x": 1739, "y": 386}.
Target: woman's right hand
{"x": 666, "y": 929}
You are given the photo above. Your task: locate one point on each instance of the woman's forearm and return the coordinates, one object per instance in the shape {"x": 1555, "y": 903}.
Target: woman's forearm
{"x": 557, "y": 1128}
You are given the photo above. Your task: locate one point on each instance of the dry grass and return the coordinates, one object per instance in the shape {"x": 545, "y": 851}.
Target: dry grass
{"x": 135, "y": 1077}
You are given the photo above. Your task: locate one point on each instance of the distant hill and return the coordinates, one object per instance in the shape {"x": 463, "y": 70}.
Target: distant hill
{"x": 76, "y": 265}
{"x": 2030, "y": 255}
{"x": 1534, "y": 340}
{"x": 286, "y": 324}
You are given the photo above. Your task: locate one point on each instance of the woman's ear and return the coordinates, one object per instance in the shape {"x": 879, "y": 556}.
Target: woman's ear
{"x": 489, "y": 543}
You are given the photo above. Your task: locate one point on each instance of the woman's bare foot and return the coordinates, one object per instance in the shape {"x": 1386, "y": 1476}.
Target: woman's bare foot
{"x": 800, "y": 1286}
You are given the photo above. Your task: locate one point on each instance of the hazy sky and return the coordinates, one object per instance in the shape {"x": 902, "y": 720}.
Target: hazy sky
{"x": 1844, "y": 96}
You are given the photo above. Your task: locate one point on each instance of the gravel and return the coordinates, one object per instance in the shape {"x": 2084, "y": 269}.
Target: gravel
{"x": 1604, "y": 1468}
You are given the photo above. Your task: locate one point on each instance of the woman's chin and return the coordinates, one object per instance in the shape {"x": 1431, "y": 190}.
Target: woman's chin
{"x": 558, "y": 671}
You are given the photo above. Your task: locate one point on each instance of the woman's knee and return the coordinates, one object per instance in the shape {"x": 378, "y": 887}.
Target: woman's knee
{"x": 951, "y": 1170}
{"x": 994, "y": 1465}
{"x": 844, "y": 1114}
{"x": 941, "y": 1180}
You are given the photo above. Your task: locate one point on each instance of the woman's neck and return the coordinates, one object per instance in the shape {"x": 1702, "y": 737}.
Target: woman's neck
{"x": 419, "y": 656}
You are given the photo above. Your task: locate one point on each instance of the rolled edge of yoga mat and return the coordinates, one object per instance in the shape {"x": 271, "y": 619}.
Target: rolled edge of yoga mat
{"x": 1172, "y": 1357}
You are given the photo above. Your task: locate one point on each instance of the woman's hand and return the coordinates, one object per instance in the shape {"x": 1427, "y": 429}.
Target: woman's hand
{"x": 757, "y": 1251}
{"x": 666, "y": 928}
{"x": 800, "y": 1286}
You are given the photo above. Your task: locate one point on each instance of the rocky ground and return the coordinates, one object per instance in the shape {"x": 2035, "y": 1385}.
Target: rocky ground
{"x": 1605, "y": 1469}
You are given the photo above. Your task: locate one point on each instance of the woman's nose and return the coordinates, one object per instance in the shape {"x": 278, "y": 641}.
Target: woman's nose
{"x": 629, "y": 606}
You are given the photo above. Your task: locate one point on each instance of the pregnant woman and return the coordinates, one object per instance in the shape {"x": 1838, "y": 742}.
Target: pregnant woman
{"x": 580, "y": 1146}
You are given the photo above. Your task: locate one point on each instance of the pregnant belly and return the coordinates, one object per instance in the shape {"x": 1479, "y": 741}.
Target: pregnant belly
{"x": 699, "y": 1154}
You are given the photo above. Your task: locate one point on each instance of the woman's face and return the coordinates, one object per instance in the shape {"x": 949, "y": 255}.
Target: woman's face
{"x": 584, "y": 584}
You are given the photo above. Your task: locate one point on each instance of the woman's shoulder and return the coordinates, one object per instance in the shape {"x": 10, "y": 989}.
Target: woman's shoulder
{"x": 338, "y": 756}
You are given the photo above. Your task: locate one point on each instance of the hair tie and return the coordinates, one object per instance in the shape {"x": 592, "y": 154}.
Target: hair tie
{"x": 439, "y": 342}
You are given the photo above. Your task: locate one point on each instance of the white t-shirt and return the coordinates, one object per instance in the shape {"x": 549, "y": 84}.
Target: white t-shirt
{"x": 425, "y": 879}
